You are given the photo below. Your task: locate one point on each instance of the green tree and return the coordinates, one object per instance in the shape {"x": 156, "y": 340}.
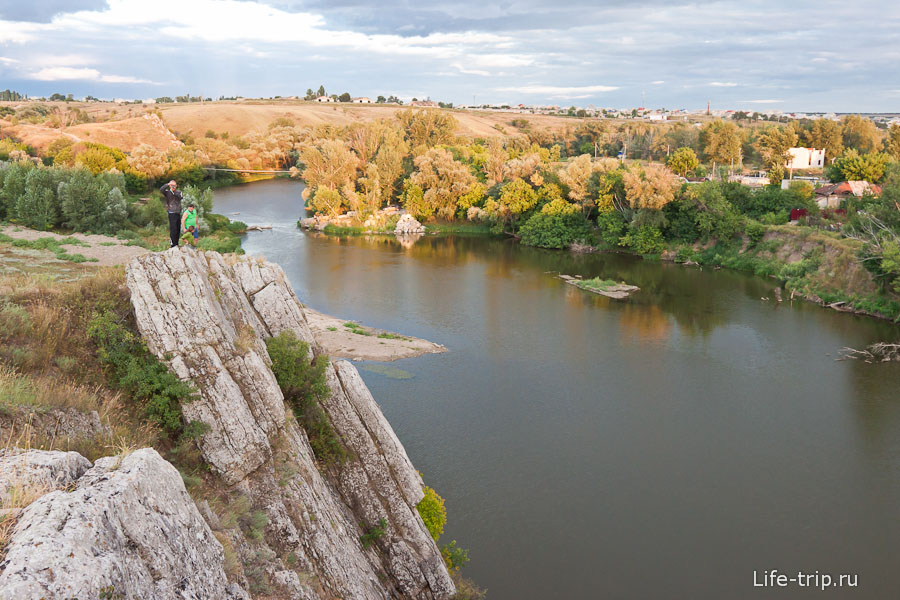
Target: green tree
{"x": 683, "y": 161}
{"x": 83, "y": 198}
{"x": 773, "y": 146}
{"x": 37, "y": 207}
{"x": 853, "y": 166}
{"x": 345, "y": 97}
{"x": 13, "y": 187}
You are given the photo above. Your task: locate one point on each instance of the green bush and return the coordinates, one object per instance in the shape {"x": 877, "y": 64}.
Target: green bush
{"x": 302, "y": 381}
{"x": 374, "y": 533}
{"x": 132, "y": 368}
{"x": 556, "y": 230}
{"x": 611, "y": 225}
{"x": 454, "y": 557}
{"x": 237, "y": 227}
{"x": 434, "y": 515}
{"x": 644, "y": 240}
{"x": 755, "y": 231}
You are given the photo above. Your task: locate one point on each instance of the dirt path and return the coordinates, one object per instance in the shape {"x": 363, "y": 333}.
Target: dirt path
{"x": 107, "y": 251}
{"x": 358, "y": 342}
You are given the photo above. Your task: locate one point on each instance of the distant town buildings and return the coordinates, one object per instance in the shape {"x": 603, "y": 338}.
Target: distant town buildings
{"x": 831, "y": 196}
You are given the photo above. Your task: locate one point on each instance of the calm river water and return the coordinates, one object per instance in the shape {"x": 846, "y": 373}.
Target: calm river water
{"x": 667, "y": 446}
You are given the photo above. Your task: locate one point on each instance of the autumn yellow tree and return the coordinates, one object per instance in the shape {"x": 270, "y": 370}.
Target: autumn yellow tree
{"x": 721, "y": 142}
{"x": 576, "y": 175}
{"x": 442, "y": 179}
{"x": 827, "y": 134}
{"x": 148, "y": 161}
{"x": 860, "y": 133}
{"x": 773, "y": 145}
{"x": 683, "y": 161}
{"x": 892, "y": 142}
{"x": 427, "y": 127}
{"x": 650, "y": 187}
{"x": 329, "y": 165}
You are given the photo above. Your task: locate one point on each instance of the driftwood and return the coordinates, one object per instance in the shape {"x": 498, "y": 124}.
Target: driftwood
{"x": 880, "y": 352}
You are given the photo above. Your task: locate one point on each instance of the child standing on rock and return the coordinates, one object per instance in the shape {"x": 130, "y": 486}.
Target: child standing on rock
{"x": 189, "y": 223}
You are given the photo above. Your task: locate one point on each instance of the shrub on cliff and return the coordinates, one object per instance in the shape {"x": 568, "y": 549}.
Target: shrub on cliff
{"x": 134, "y": 369}
{"x": 434, "y": 515}
{"x": 302, "y": 381}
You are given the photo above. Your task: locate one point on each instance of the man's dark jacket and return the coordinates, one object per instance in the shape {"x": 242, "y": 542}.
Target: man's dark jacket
{"x": 173, "y": 199}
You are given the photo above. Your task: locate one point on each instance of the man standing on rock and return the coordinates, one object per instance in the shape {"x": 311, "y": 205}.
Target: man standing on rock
{"x": 173, "y": 207}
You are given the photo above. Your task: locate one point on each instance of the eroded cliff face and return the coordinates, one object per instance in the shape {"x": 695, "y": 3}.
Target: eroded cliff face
{"x": 208, "y": 316}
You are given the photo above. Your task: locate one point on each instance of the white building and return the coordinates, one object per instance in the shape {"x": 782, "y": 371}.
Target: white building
{"x": 361, "y": 100}
{"x": 324, "y": 99}
{"x": 806, "y": 158}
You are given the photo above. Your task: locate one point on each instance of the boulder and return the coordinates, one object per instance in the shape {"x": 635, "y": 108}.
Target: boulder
{"x": 45, "y": 470}
{"x": 129, "y": 529}
{"x": 407, "y": 225}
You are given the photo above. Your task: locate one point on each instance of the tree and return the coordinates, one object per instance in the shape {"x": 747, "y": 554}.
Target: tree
{"x": 148, "y": 161}
{"x": 329, "y": 165}
{"x": 321, "y": 91}
{"x": 516, "y": 197}
{"x": 575, "y": 176}
{"x": 721, "y": 141}
{"x": 773, "y": 146}
{"x": 345, "y": 97}
{"x": 650, "y": 187}
{"x": 683, "y": 161}
{"x": 13, "y": 187}
{"x": 853, "y": 166}
{"x": 389, "y": 162}
{"x": 37, "y": 207}
{"x": 427, "y": 128}
{"x": 83, "y": 199}
{"x": 443, "y": 180}
{"x": 380, "y": 100}
{"x": 892, "y": 142}
{"x": 827, "y": 134}
{"x": 859, "y": 133}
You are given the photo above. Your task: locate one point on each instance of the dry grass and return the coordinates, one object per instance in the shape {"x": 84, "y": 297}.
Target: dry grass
{"x": 20, "y": 491}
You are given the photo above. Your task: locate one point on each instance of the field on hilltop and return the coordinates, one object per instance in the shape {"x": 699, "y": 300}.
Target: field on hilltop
{"x": 128, "y": 126}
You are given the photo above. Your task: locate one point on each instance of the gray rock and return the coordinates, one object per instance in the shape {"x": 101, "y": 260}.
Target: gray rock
{"x": 128, "y": 528}
{"x": 231, "y": 305}
{"x": 408, "y": 224}
{"x": 44, "y": 469}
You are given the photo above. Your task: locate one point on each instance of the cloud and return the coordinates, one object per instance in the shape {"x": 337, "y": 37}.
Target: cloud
{"x": 42, "y": 11}
{"x": 463, "y": 69}
{"x": 72, "y": 73}
{"x": 721, "y": 84}
{"x": 573, "y": 92}
{"x": 7, "y": 61}
{"x": 658, "y": 82}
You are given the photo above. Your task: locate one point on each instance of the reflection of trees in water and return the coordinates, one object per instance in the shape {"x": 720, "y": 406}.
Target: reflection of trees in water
{"x": 647, "y": 322}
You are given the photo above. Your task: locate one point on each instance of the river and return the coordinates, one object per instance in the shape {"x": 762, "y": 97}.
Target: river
{"x": 667, "y": 446}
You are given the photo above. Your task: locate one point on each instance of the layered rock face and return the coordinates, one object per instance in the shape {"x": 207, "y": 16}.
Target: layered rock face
{"x": 208, "y": 316}
{"x": 128, "y": 529}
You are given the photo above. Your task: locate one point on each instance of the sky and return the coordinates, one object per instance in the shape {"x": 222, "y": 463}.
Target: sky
{"x": 751, "y": 55}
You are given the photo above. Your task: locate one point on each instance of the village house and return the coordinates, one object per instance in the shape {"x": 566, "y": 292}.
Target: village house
{"x": 324, "y": 99}
{"x": 831, "y": 196}
{"x": 806, "y": 158}
{"x": 361, "y": 100}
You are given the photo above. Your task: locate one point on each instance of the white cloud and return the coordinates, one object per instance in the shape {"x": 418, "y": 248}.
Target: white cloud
{"x": 722, "y": 84}
{"x": 659, "y": 82}
{"x": 7, "y": 61}
{"x": 84, "y": 74}
{"x": 15, "y": 32}
{"x": 463, "y": 69}
{"x": 552, "y": 91}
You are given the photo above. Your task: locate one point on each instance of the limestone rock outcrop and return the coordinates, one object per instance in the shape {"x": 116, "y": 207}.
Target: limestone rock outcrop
{"x": 208, "y": 316}
{"x": 408, "y": 225}
{"x": 127, "y": 530}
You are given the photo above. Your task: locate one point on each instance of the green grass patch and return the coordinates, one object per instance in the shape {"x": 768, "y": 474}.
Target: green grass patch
{"x": 598, "y": 284}
{"x": 348, "y": 230}
{"x": 356, "y": 328}
{"x": 392, "y": 336}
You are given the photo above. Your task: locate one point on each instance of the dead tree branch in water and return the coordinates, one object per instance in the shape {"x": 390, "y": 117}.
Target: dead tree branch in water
{"x": 880, "y": 352}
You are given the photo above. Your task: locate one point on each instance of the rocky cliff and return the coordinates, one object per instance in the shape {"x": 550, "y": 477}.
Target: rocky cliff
{"x": 208, "y": 317}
